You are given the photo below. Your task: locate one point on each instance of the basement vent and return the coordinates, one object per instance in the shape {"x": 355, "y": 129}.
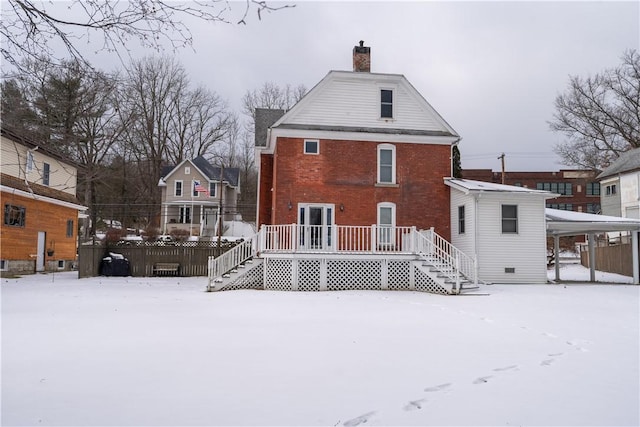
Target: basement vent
{"x": 61, "y": 264}
{"x": 509, "y": 270}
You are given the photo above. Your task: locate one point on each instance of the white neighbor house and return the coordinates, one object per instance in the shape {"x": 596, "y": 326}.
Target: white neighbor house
{"x": 503, "y": 226}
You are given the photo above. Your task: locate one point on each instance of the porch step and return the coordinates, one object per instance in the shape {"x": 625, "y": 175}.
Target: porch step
{"x": 230, "y": 280}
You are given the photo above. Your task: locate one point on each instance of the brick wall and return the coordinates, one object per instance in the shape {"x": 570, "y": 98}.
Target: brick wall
{"x": 345, "y": 172}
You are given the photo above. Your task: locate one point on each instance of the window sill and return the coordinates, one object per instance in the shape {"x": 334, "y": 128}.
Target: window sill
{"x": 383, "y": 185}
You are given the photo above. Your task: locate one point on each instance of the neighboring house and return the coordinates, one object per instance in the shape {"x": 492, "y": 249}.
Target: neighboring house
{"x": 503, "y": 227}
{"x": 620, "y": 184}
{"x": 193, "y": 193}
{"x": 578, "y": 190}
{"x": 40, "y": 208}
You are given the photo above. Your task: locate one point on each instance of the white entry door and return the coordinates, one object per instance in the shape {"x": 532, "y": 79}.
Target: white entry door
{"x": 316, "y": 221}
{"x": 40, "y": 253}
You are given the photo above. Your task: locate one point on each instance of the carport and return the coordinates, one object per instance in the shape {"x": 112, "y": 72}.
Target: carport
{"x": 568, "y": 223}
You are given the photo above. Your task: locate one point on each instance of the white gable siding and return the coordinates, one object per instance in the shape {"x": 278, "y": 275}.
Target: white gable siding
{"x": 356, "y": 102}
{"x": 465, "y": 242}
{"x": 629, "y": 189}
{"x": 62, "y": 176}
{"x": 524, "y": 251}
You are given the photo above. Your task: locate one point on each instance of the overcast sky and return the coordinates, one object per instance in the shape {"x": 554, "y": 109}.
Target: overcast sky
{"x": 491, "y": 69}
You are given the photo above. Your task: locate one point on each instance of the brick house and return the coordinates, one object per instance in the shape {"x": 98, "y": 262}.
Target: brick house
{"x": 360, "y": 148}
{"x": 355, "y": 192}
{"x": 40, "y": 208}
{"x": 351, "y": 192}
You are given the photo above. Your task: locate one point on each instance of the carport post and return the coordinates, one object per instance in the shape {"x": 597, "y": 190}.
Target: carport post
{"x": 556, "y": 255}
{"x": 634, "y": 255}
{"x": 592, "y": 257}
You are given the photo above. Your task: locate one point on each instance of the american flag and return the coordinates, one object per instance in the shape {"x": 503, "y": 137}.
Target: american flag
{"x": 200, "y": 188}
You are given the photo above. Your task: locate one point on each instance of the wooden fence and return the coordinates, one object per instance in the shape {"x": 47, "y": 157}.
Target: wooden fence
{"x": 611, "y": 259}
{"x": 142, "y": 256}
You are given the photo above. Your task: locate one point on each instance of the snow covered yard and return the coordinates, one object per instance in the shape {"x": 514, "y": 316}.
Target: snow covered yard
{"x": 160, "y": 351}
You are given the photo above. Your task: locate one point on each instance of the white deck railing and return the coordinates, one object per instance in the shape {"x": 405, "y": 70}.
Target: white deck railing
{"x": 231, "y": 259}
{"x": 336, "y": 239}
{"x": 431, "y": 244}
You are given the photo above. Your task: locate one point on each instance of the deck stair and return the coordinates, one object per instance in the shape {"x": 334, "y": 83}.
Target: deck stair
{"x": 248, "y": 275}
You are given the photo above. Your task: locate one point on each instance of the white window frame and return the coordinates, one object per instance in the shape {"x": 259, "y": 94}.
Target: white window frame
{"x": 175, "y": 188}
{"x": 317, "y": 146}
{"x": 30, "y": 161}
{"x": 4, "y": 265}
{"x": 184, "y": 215}
{"x": 462, "y": 219}
{"x": 393, "y": 110}
{"x": 46, "y": 174}
{"x": 502, "y": 219}
{"x": 213, "y": 189}
{"x": 392, "y": 148}
{"x": 386, "y": 232}
{"x": 187, "y": 170}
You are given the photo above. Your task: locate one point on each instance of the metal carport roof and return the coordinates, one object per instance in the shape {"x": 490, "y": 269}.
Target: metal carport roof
{"x": 569, "y": 223}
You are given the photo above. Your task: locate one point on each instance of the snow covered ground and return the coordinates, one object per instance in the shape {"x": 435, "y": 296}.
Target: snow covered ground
{"x": 161, "y": 351}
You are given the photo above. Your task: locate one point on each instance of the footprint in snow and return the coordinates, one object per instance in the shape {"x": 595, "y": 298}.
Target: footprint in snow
{"x": 482, "y": 380}
{"x": 359, "y": 420}
{"x": 438, "y": 387}
{"x": 547, "y": 362}
{"x": 415, "y": 404}
{"x": 506, "y": 368}
{"x": 550, "y": 335}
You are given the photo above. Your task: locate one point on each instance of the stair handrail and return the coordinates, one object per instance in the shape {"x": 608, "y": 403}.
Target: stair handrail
{"x": 428, "y": 242}
{"x": 218, "y": 266}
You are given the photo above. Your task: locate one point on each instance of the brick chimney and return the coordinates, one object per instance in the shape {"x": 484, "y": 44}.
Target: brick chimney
{"x": 362, "y": 58}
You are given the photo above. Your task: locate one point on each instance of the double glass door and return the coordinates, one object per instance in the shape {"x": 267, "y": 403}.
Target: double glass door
{"x": 315, "y": 226}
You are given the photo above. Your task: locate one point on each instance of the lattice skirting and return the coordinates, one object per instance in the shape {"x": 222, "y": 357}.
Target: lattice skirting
{"x": 285, "y": 274}
{"x": 252, "y": 279}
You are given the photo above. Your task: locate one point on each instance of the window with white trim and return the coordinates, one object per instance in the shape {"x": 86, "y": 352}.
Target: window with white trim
{"x": 461, "y": 220}
{"x": 184, "y": 216}
{"x": 386, "y": 164}
{"x": 386, "y": 223}
{"x": 311, "y": 146}
{"x": 187, "y": 170}
{"x": 212, "y": 189}
{"x": 4, "y": 265}
{"x": 386, "y": 103}
{"x": 30, "y": 161}
{"x": 509, "y": 219}
{"x": 46, "y": 173}
{"x": 177, "y": 188}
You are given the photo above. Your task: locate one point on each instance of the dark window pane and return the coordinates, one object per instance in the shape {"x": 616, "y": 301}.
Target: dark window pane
{"x": 386, "y": 96}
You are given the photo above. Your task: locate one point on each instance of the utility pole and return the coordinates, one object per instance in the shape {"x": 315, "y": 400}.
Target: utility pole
{"x": 501, "y": 157}
{"x": 220, "y": 207}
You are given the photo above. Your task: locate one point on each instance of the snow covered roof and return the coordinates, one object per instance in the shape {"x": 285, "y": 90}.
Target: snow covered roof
{"x": 627, "y": 162}
{"x": 570, "y": 223}
{"x": 470, "y": 186}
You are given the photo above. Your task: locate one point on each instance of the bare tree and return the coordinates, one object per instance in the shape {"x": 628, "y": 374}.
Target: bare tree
{"x": 30, "y": 28}
{"x": 199, "y": 122}
{"x": 600, "y": 115}
{"x": 270, "y": 95}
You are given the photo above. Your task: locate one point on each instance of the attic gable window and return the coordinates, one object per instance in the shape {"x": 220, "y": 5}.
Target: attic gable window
{"x": 386, "y": 103}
